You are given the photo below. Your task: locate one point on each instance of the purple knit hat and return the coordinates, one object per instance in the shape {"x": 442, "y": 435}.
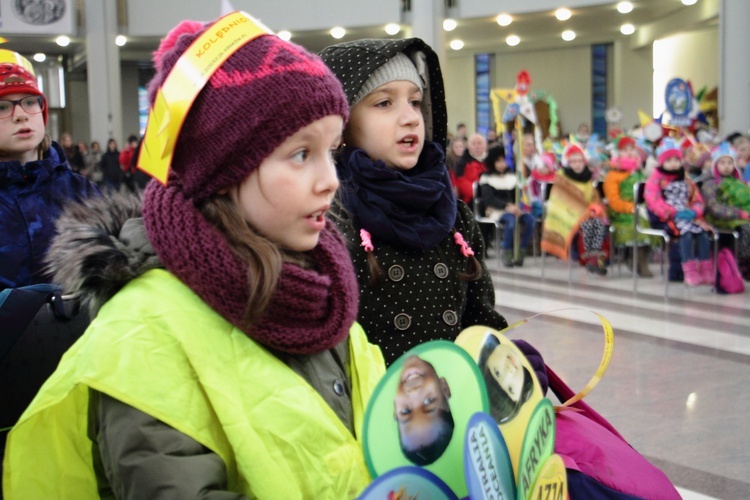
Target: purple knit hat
{"x": 261, "y": 95}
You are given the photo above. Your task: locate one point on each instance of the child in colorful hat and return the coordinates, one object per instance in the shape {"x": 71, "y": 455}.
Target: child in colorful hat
{"x": 626, "y": 170}
{"x": 675, "y": 204}
{"x": 35, "y": 178}
{"x": 727, "y": 200}
{"x": 576, "y": 221}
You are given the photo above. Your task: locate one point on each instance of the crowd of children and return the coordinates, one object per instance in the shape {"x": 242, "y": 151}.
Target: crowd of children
{"x": 692, "y": 190}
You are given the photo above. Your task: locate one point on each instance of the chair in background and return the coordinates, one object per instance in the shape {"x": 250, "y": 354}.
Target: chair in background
{"x": 640, "y": 206}
{"x": 497, "y": 226}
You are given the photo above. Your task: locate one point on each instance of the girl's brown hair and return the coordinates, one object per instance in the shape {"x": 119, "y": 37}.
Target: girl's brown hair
{"x": 263, "y": 257}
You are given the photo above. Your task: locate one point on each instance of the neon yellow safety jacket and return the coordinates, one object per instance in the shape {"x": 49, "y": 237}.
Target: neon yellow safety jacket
{"x": 159, "y": 348}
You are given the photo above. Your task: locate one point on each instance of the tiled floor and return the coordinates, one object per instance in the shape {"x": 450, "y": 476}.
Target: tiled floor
{"x": 678, "y": 386}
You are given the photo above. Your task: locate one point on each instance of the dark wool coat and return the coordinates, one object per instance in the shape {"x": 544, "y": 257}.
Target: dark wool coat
{"x": 420, "y": 296}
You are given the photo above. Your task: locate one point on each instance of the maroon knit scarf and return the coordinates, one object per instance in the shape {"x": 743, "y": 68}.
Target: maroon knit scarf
{"x": 311, "y": 309}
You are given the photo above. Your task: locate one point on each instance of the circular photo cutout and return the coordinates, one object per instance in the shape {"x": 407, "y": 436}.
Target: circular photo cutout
{"x": 419, "y": 412}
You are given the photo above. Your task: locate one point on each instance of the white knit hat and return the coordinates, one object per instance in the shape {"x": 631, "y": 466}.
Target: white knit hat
{"x": 398, "y": 68}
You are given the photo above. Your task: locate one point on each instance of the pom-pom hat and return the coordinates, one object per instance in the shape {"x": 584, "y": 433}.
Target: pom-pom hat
{"x": 667, "y": 149}
{"x": 17, "y": 77}
{"x": 261, "y": 94}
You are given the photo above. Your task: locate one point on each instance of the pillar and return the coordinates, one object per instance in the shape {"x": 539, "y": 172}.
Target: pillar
{"x": 103, "y": 71}
{"x": 734, "y": 72}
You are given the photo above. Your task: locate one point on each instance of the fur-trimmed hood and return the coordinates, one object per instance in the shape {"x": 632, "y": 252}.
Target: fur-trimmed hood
{"x": 101, "y": 245}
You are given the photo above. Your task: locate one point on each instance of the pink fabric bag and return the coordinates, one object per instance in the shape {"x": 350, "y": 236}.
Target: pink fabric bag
{"x": 598, "y": 460}
{"x": 729, "y": 279}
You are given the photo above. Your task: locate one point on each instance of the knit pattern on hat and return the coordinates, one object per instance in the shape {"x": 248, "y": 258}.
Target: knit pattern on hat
{"x": 264, "y": 93}
{"x": 15, "y": 79}
{"x": 310, "y": 311}
{"x": 398, "y": 68}
{"x": 667, "y": 149}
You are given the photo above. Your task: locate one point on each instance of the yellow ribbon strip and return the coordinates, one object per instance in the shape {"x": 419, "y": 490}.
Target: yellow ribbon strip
{"x": 183, "y": 84}
{"x": 609, "y": 344}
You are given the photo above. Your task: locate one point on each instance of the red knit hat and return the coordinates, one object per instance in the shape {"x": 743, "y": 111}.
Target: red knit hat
{"x": 263, "y": 93}
{"x": 569, "y": 150}
{"x": 624, "y": 142}
{"x": 15, "y": 79}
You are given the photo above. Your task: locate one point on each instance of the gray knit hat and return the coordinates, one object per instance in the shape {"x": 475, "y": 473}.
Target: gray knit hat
{"x": 398, "y": 68}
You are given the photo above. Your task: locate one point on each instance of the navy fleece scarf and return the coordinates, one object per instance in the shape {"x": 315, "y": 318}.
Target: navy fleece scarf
{"x": 414, "y": 208}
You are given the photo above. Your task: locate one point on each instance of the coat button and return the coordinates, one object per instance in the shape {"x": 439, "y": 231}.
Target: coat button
{"x": 338, "y": 387}
{"x": 450, "y": 318}
{"x": 402, "y": 321}
{"x": 396, "y": 273}
{"x": 441, "y": 270}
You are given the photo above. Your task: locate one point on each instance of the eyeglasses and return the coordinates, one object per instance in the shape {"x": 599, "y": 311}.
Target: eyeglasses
{"x": 32, "y": 105}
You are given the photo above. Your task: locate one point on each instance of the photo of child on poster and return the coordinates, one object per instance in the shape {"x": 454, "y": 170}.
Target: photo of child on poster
{"x": 422, "y": 411}
{"x": 509, "y": 383}
{"x": 512, "y": 387}
{"x": 418, "y": 413}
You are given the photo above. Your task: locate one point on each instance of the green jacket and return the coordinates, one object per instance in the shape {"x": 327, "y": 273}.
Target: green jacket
{"x": 157, "y": 347}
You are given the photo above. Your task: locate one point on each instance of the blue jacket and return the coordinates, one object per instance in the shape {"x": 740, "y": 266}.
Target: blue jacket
{"x": 31, "y": 198}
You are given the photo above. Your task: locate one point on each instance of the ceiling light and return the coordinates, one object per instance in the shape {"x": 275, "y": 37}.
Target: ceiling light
{"x": 62, "y": 41}
{"x": 457, "y": 44}
{"x": 39, "y": 57}
{"x": 338, "y": 32}
{"x": 624, "y": 7}
{"x": 120, "y": 40}
{"x": 449, "y": 24}
{"x": 562, "y": 14}
{"x": 568, "y": 35}
{"x": 504, "y": 19}
{"x": 627, "y": 29}
{"x": 392, "y": 28}
{"x": 513, "y": 40}
{"x": 284, "y": 35}
{"x": 689, "y": 2}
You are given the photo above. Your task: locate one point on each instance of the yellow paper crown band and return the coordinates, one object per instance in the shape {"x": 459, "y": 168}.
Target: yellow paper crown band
{"x": 185, "y": 81}
{"x": 9, "y": 56}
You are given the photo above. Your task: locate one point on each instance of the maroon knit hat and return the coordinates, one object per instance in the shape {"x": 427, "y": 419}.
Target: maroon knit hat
{"x": 265, "y": 92}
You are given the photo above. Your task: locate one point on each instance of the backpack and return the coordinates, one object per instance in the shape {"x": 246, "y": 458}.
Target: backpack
{"x": 729, "y": 279}
{"x": 599, "y": 463}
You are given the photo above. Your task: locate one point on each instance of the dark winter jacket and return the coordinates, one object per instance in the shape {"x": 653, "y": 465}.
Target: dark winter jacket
{"x": 32, "y": 196}
{"x": 420, "y": 295}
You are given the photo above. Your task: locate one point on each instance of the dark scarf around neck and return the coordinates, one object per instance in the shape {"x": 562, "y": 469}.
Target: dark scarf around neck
{"x": 584, "y": 176}
{"x": 414, "y": 208}
{"x": 675, "y": 175}
{"x": 311, "y": 309}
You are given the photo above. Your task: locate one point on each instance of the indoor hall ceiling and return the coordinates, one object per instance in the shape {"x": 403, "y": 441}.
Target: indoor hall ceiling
{"x": 537, "y": 31}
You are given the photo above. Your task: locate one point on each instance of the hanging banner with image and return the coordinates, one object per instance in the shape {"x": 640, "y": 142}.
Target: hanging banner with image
{"x": 46, "y": 17}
